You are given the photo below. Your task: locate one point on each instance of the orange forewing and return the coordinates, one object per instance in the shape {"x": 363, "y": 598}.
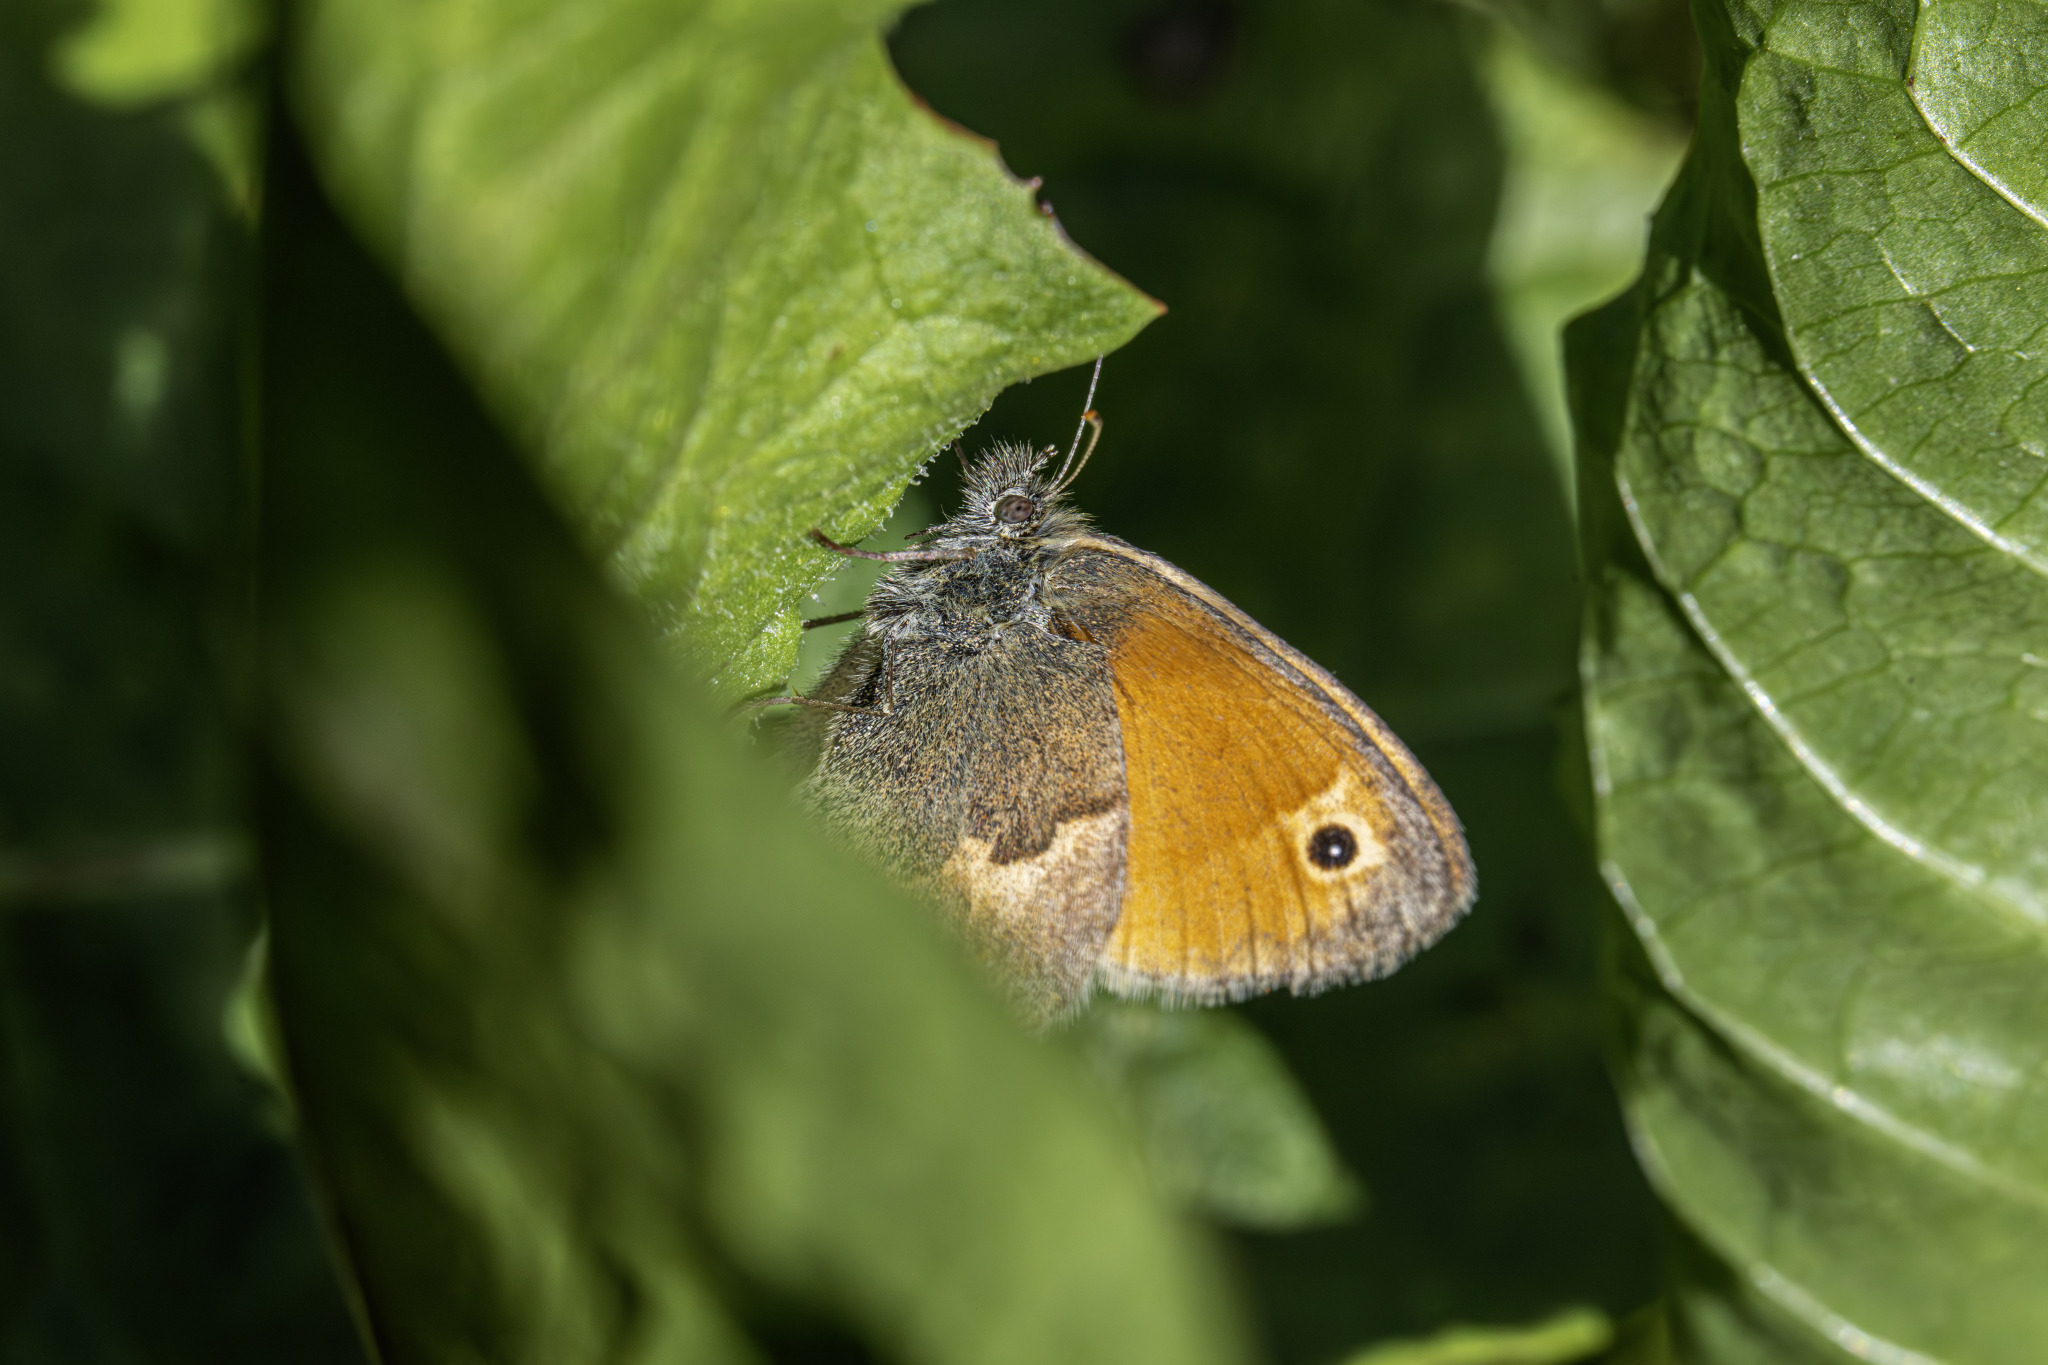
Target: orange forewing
{"x": 1237, "y": 750}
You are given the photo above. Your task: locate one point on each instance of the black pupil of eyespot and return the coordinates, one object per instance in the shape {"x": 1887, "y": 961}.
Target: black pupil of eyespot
{"x": 1015, "y": 509}
{"x": 1332, "y": 846}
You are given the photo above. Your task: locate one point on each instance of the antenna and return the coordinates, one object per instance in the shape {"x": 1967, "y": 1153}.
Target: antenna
{"x": 1089, "y": 418}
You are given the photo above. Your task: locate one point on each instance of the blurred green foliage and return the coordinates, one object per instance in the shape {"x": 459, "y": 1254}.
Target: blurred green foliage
{"x": 149, "y": 1208}
{"x": 1222, "y": 1126}
{"x": 1571, "y": 1335}
{"x": 1583, "y": 171}
{"x": 564, "y": 987}
{"x": 400, "y": 959}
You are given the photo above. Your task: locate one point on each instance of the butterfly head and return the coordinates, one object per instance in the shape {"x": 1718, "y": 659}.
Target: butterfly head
{"x": 1010, "y": 496}
{"x": 1011, "y": 499}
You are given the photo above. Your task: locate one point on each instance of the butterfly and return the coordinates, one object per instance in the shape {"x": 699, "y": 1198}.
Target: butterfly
{"x": 1107, "y": 775}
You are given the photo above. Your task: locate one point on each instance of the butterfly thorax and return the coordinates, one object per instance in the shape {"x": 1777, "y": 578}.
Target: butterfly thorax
{"x": 969, "y": 602}
{"x": 1010, "y": 530}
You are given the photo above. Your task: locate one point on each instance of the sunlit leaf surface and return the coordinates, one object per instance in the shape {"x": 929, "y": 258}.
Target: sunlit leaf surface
{"x": 712, "y": 262}
{"x": 1980, "y": 76}
{"x": 1912, "y": 292}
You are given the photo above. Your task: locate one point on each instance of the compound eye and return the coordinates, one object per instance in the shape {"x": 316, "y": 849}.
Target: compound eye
{"x": 1016, "y": 509}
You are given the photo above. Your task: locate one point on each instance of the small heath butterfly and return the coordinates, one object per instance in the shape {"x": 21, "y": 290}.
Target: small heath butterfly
{"x": 1111, "y": 776}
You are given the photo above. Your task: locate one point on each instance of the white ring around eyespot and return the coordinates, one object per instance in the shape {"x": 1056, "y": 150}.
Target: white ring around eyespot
{"x": 1338, "y": 804}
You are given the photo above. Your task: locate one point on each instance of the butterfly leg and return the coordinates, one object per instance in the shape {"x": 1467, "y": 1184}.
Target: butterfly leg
{"x": 888, "y": 680}
{"x": 890, "y": 556}
{"x": 792, "y": 699}
{"x": 887, "y": 708}
{"x": 853, "y": 615}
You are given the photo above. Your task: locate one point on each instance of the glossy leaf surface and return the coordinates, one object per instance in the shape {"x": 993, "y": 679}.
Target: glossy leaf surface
{"x": 1817, "y": 718}
{"x": 1980, "y": 77}
{"x": 1914, "y": 296}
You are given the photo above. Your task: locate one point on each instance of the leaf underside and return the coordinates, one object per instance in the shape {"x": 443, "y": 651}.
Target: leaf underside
{"x": 1814, "y": 443}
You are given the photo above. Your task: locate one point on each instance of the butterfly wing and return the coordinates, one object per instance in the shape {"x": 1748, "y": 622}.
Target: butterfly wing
{"x": 995, "y": 785}
{"x": 1280, "y": 835}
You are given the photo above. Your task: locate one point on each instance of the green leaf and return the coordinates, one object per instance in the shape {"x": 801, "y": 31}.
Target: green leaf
{"x": 1980, "y": 77}
{"x": 600, "y": 1054}
{"x": 1818, "y": 722}
{"x": 149, "y": 1208}
{"x": 1574, "y": 1334}
{"x": 1871, "y": 1190}
{"x": 1913, "y": 294}
{"x": 137, "y": 52}
{"x": 713, "y": 265}
{"x": 1224, "y": 1128}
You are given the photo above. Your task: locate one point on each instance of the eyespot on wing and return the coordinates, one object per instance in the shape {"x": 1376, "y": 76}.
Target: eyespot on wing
{"x": 1280, "y": 835}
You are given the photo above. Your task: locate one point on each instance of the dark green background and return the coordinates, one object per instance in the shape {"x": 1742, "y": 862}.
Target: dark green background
{"x": 150, "y": 1208}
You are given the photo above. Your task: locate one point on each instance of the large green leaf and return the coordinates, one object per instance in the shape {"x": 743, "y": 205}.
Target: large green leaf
{"x": 1817, "y": 715}
{"x": 712, "y": 263}
{"x": 149, "y": 1209}
{"x": 600, "y": 1054}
